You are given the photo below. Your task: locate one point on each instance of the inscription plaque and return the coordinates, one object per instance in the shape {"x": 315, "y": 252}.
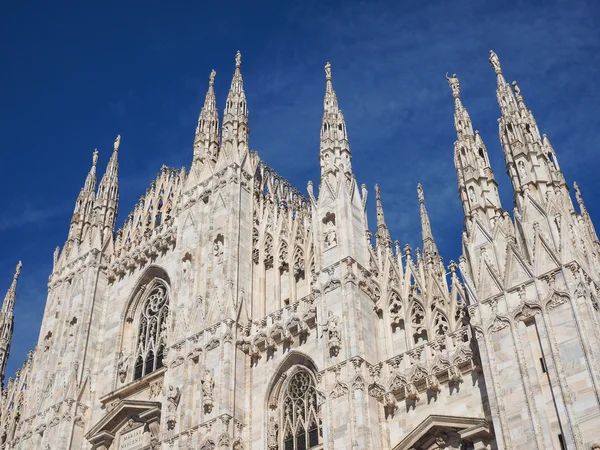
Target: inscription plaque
{"x": 132, "y": 440}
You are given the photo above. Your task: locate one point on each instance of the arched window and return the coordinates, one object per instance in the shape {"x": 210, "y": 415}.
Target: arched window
{"x": 152, "y": 331}
{"x": 302, "y": 428}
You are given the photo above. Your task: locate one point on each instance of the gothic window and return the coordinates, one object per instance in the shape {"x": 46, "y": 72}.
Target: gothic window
{"x": 440, "y": 326}
{"x": 302, "y": 428}
{"x": 152, "y": 332}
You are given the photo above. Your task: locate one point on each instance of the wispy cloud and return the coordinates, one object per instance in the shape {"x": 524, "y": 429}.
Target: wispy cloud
{"x": 30, "y": 215}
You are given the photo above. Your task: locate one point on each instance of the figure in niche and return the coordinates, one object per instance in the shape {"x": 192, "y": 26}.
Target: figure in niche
{"x": 330, "y": 233}
{"x": 472, "y": 197}
{"x": 173, "y": 397}
{"x": 186, "y": 268}
{"x": 208, "y": 386}
{"x": 123, "y": 365}
{"x": 272, "y": 433}
{"x": 72, "y": 331}
{"x": 333, "y": 334}
{"x": 523, "y": 171}
{"x": 218, "y": 248}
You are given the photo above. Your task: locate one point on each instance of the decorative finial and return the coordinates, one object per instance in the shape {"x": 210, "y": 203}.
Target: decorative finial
{"x": 117, "y": 143}
{"x": 495, "y": 62}
{"x": 328, "y": 71}
{"x": 238, "y": 59}
{"x": 18, "y": 270}
{"x": 95, "y": 157}
{"x": 420, "y": 193}
{"x": 454, "y": 85}
{"x": 211, "y": 78}
{"x": 516, "y": 88}
{"x": 377, "y": 194}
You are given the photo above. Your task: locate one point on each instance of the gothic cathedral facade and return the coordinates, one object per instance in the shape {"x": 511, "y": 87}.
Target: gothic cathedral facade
{"x": 231, "y": 311}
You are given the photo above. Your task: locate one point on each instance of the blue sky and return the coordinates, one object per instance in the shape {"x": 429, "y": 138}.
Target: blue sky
{"x": 76, "y": 74}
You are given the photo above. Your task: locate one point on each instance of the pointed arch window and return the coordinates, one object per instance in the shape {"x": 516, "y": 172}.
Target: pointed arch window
{"x": 152, "y": 331}
{"x": 302, "y": 428}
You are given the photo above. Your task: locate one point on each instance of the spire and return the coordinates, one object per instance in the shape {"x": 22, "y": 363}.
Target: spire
{"x": 477, "y": 186}
{"x": 235, "y": 119}
{"x": 9, "y": 298}
{"x": 7, "y": 322}
{"x": 84, "y": 205}
{"x": 335, "y": 151}
{"x": 383, "y": 233}
{"x": 206, "y": 141}
{"x": 90, "y": 181}
{"x": 429, "y": 247}
{"x": 462, "y": 121}
{"x": 530, "y": 160}
{"x": 108, "y": 194}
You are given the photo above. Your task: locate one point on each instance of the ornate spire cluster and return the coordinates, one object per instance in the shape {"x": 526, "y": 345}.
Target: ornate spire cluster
{"x": 95, "y": 212}
{"x": 530, "y": 160}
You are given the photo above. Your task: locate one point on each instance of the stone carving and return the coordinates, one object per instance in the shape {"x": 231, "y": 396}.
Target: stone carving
{"x": 272, "y": 434}
{"x": 208, "y": 385}
{"x": 330, "y": 234}
{"x": 331, "y": 331}
{"x": 173, "y": 397}
{"x": 123, "y": 365}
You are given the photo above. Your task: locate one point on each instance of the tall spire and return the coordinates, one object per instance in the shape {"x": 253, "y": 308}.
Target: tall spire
{"x": 462, "y": 121}
{"x": 429, "y": 246}
{"x": 477, "y": 186}
{"x": 383, "y": 233}
{"x": 335, "y": 150}
{"x": 9, "y": 299}
{"x": 90, "y": 181}
{"x": 206, "y": 141}
{"x": 107, "y": 201}
{"x": 7, "y": 322}
{"x": 530, "y": 160}
{"x": 235, "y": 118}
{"x": 83, "y": 212}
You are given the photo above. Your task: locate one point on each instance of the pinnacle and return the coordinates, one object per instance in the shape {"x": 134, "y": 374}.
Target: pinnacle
{"x": 454, "y": 85}
{"x": 495, "y": 62}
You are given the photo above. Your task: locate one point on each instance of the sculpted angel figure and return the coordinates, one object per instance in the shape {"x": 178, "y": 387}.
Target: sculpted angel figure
{"x": 123, "y": 365}
{"x": 173, "y": 397}
{"x": 208, "y": 384}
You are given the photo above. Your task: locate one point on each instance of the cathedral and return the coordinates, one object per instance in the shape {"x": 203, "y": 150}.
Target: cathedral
{"x": 233, "y": 311}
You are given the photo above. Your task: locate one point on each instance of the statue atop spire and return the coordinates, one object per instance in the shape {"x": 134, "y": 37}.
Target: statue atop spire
{"x": 117, "y": 143}
{"x": 495, "y": 62}
{"x": 211, "y": 78}
{"x": 454, "y": 85}
{"x": 238, "y": 59}
{"x": 95, "y": 158}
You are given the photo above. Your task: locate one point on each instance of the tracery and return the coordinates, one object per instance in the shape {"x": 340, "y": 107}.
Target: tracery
{"x": 302, "y": 428}
{"x": 152, "y": 331}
